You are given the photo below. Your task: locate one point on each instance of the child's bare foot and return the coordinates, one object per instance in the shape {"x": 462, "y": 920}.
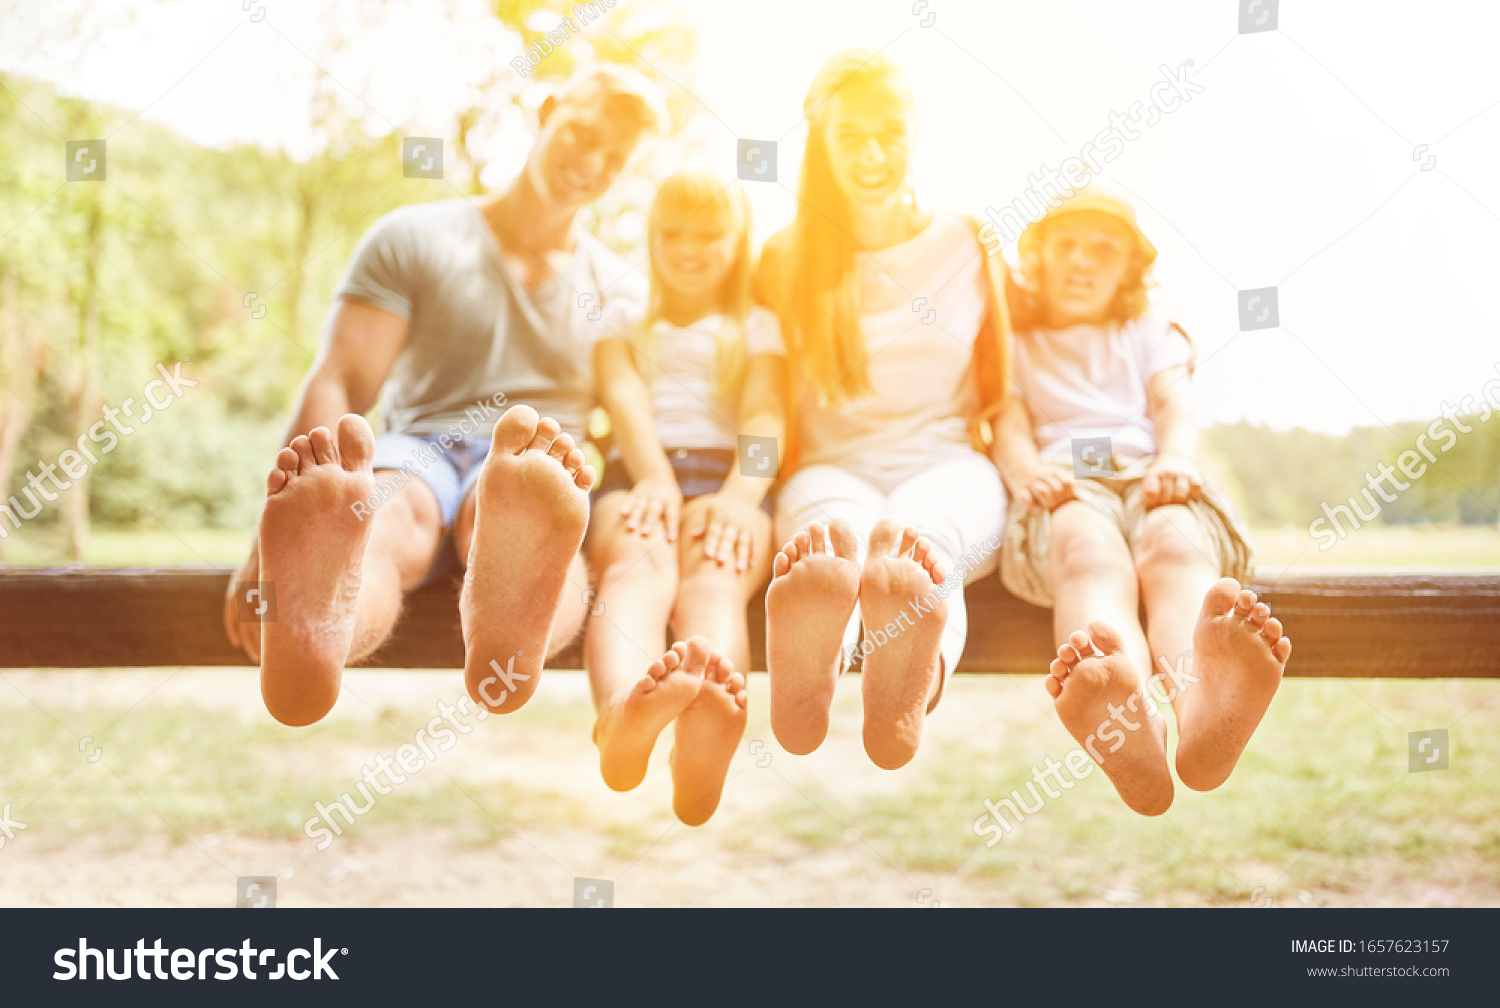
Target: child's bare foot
{"x": 707, "y": 734}
{"x": 1099, "y": 700}
{"x": 896, "y": 598}
{"x": 312, "y": 546}
{"x": 531, "y": 512}
{"x": 808, "y": 605}
{"x": 1239, "y": 656}
{"x": 626, "y": 731}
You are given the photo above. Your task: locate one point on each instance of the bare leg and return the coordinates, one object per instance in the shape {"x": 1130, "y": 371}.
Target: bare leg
{"x": 1239, "y": 656}
{"x": 637, "y": 579}
{"x": 711, "y": 603}
{"x": 898, "y": 600}
{"x": 530, "y": 513}
{"x": 808, "y": 605}
{"x": 338, "y": 569}
{"x": 1094, "y": 585}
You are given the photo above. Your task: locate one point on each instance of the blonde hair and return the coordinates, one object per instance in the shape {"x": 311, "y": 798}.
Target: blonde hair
{"x": 1130, "y": 302}
{"x": 821, "y": 307}
{"x": 701, "y": 194}
{"x": 621, "y": 88}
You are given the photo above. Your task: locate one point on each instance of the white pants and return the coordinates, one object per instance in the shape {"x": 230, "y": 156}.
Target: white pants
{"x": 959, "y": 505}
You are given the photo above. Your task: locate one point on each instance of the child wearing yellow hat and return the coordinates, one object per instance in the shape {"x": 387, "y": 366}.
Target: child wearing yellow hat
{"x": 1111, "y": 512}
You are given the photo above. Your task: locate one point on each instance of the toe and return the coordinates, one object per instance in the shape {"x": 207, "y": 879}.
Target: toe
{"x": 584, "y": 478}
{"x": 1272, "y": 630}
{"x": 1068, "y": 655}
{"x": 845, "y": 542}
{"x": 547, "y": 431}
{"x": 275, "y": 480}
{"x": 670, "y": 660}
{"x": 356, "y": 442}
{"x": 1054, "y": 687}
{"x": 817, "y": 537}
{"x": 287, "y": 460}
{"x": 1244, "y": 603}
{"x": 803, "y": 542}
{"x": 697, "y": 655}
{"x": 908, "y": 541}
{"x": 656, "y": 671}
{"x": 303, "y": 447}
{"x": 780, "y": 565}
{"x": 561, "y": 445}
{"x": 884, "y": 536}
{"x": 1220, "y": 598}
{"x": 514, "y": 431}
{"x": 574, "y": 461}
{"x": 325, "y": 452}
{"x": 1080, "y": 642}
{"x": 1059, "y": 669}
{"x": 1259, "y": 613}
{"x": 1282, "y": 649}
{"x": 1106, "y": 638}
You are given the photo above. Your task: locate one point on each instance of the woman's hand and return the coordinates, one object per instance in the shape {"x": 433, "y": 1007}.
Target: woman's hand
{"x": 653, "y": 499}
{"x": 1043, "y": 488}
{"x": 727, "y": 528}
{"x": 245, "y": 636}
{"x": 1171, "y": 479}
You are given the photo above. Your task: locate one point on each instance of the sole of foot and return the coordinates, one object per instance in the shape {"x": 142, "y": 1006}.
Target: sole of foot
{"x": 627, "y": 731}
{"x": 1098, "y": 695}
{"x": 532, "y": 509}
{"x": 1239, "y": 657}
{"x": 896, "y": 590}
{"x": 312, "y": 547}
{"x": 808, "y": 605}
{"x": 707, "y": 734}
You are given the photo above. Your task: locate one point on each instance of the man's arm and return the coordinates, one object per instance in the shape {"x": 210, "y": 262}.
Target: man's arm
{"x": 359, "y": 346}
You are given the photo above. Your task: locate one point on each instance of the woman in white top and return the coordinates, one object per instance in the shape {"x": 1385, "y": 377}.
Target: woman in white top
{"x": 896, "y": 346}
{"x": 684, "y": 384}
{"x": 1112, "y": 513}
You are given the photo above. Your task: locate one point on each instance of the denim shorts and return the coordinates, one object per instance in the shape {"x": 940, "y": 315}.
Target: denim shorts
{"x": 699, "y": 471}
{"x": 449, "y": 472}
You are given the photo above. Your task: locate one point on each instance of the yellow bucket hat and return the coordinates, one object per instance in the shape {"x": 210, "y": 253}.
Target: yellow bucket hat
{"x": 1084, "y": 200}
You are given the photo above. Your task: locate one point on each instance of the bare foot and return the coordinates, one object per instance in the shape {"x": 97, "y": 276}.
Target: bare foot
{"x": 897, "y": 600}
{"x": 531, "y": 511}
{"x": 1100, "y": 702}
{"x": 707, "y": 734}
{"x": 626, "y": 730}
{"x": 1239, "y": 656}
{"x": 808, "y": 604}
{"x": 312, "y": 546}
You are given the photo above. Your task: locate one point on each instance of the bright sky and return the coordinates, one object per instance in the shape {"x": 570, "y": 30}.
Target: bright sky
{"x": 1293, "y": 168}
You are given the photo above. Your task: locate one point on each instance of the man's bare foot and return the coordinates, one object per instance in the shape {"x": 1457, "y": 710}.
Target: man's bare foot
{"x": 626, "y": 731}
{"x": 312, "y": 546}
{"x": 1100, "y": 702}
{"x": 707, "y": 734}
{"x": 1239, "y": 656}
{"x": 897, "y": 600}
{"x": 531, "y": 511}
{"x": 808, "y": 605}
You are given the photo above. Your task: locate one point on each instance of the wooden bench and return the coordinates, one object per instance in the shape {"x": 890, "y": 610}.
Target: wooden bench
{"x": 1405, "y": 624}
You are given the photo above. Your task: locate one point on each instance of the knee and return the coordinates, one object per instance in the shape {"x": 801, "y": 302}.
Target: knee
{"x": 1089, "y": 556}
{"x": 1166, "y": 544}
{"x": 631, "y": 557}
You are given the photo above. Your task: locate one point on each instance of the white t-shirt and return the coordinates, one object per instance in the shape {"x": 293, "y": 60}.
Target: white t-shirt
{"x": 919, "y": 356}
{"x": 1089, "y": 381}
{"x": 681, "y": 377}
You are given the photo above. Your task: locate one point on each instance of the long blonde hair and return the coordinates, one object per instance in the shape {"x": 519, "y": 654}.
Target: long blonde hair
{"x": 822, "y": 307}
{"x": 699, "y": 193}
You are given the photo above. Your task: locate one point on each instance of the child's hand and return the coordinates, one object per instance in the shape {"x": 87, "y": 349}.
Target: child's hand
{"x": 1171, "y": 480}
{"x": 727, "y": 528}
{"x": 651, "y": 499}
{"x": 1045, "y": 488}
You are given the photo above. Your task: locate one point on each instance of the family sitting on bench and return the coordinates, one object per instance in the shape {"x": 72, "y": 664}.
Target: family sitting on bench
{"x": 919, "y": 451}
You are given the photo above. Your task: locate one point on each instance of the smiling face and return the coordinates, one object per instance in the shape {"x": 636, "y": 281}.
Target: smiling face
{"x": 1085, "y": 259}
{"x": 693, "y": 255}
{"x": 584, "y": 144}
{"x": 868, "y": 132}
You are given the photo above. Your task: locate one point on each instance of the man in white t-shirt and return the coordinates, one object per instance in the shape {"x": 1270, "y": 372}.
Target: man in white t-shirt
{"x": 460, "y": 308}
{"x": 1111, "y": 513}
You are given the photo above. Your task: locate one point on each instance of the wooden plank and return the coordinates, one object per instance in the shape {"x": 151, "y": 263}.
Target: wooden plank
{"x": 1413, "y": 624}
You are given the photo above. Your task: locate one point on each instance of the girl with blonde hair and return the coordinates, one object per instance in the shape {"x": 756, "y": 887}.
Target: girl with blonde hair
{"x": 683, "y": 381}
{"x": 896, "y": 332}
